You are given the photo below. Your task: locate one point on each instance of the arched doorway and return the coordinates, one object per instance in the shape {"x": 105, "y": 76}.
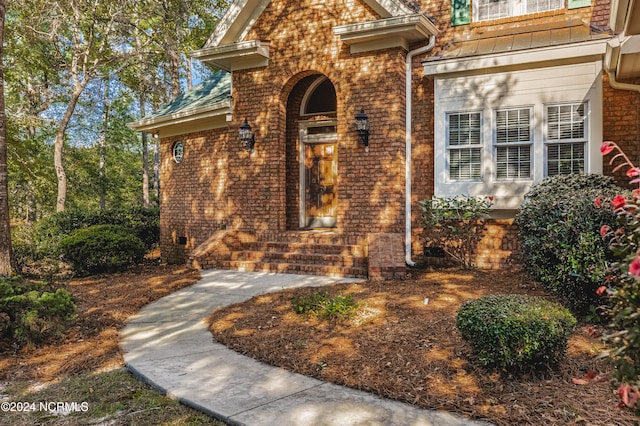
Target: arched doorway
{"x": 312, "y": 157}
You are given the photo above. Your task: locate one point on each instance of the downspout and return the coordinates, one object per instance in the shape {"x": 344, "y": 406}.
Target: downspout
{"x": 408, "y": 130}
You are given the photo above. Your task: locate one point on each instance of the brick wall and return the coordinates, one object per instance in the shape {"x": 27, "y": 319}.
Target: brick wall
{"x": 621, "y": 124}
{"x": 219, "y": 185}
{"x": 621, "y": 118}
{"x": 193, "y": 201}
{"x": 369, "y": 188}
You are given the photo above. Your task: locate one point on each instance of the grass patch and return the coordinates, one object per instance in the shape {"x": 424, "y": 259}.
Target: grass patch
{"x": 324, "y": 305}
{"x": 113, "y": 397}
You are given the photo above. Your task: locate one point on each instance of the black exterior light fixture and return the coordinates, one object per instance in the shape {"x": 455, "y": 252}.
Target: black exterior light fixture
{"x": 362, "y": 126}
{"x": 246, "y": 137}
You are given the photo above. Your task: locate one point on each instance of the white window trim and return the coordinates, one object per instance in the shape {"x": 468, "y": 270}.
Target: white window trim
{"x": 530, "y": 144}
{"x": 584, "y": 140}
{"x": 479, "y": 91}
{"x": 449, "y": 148}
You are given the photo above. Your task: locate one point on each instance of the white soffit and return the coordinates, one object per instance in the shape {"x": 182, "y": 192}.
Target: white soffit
{"x": 235, "y": 56}
{"x": 622, "y": 58}
{"x": 384, "y": 33}
{"x": 563, "y": 54}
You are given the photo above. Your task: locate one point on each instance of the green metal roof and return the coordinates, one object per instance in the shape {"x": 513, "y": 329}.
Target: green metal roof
{"x": 213, "y": 89}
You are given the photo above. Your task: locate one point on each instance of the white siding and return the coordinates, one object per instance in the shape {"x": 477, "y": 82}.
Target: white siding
{"x": 525, "y": 88}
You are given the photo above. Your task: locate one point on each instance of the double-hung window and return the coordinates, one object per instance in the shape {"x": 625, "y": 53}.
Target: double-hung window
{"x": 485, "y": 10}
{"x": 513, "y": 137}
{"x": 566, "y": 138}
{"x": 464, "y": 145}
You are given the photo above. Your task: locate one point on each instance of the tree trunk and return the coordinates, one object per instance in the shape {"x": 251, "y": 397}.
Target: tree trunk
{"x": 103, "y": 146}
{"x": 174, "y": 69}
{"x": 189, "y": 73}
{"x": 145, "y": 158}
{"x": 58, "y": 146}
{"x": 6, "y": 253}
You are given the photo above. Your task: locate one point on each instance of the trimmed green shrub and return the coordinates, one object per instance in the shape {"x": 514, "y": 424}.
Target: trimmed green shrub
{"x": 515, "y": 332}
{"x": 145, "y": 223}
{"x": 31, "y": 315}
{"x": 559, "y": 226}
{"x": 37, "y": 248}
{"x": 325, "y": 305}
{"x": 102, "y": 248}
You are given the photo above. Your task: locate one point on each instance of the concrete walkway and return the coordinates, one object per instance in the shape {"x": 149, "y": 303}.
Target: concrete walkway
{"x": 168, "y": 345}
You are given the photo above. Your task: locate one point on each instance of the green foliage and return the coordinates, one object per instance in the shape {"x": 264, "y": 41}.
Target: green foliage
{"x": 623, "y": 287}
{"x": 559, "y": 226}
{"x": 515, "y": 332}
{"x": 623, "y": 337}
{"x": 31, "y": 315}
{"x": 37, "y": 246}
{"x": 324, "y": 305}
{"x": 102, "y": 248}
{"x": 455, "y": 224}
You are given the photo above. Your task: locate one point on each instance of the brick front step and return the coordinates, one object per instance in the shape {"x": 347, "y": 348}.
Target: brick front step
{"x": 296, "y": 268}
{"x": 307, "y": 258}
{"x": 305, "y": 248}
{"x": 309, "y": 237}
{"x": 314, "y": 253}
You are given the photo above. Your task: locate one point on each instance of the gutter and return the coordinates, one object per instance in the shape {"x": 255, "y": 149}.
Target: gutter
{"x": 610, "y": 64}
{"x": 408, "y": 130}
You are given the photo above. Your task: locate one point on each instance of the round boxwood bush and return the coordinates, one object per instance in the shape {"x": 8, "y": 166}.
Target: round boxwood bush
{"x": 515, "y": 332}
{"x": 559, "y": 227}
{"x": 102, "y": 248}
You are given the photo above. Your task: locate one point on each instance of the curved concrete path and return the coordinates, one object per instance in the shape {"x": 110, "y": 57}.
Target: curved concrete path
{"x": 168, "y": 345}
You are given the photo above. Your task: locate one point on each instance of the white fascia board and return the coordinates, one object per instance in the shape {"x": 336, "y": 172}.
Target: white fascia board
{"x": 389, "y": 32}
{"x": 242, "y": 15}
{"x": 235, "y": 56}
{"x": 618, "y": 14}
{"x": 633, "y": 18}
{"x": 584, "y": 51}
{"x": 237, "y": 21}
{"x": 154, "y": 124}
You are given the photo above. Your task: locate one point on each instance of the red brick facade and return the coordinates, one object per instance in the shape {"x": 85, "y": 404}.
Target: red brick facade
{"x": 220, "y": 185}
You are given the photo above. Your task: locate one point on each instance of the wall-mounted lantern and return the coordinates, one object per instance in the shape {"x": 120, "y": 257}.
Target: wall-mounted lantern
{"x": 362, "y": 126}
{"x": 246, "y": 137}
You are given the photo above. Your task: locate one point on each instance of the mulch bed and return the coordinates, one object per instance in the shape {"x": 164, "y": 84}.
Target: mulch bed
{"x": 403, "y": 344}
{"x": 104, "y": 304}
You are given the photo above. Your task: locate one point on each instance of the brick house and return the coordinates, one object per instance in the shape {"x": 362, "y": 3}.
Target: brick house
{"x": 263, "y": 166}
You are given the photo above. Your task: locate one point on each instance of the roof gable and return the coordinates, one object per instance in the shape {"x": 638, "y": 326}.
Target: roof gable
{"x": 242, "y": 15}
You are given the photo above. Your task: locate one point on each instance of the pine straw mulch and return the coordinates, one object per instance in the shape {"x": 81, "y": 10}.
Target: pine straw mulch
{"x": 104, "y": 304}
{"x": 401, "y": 346}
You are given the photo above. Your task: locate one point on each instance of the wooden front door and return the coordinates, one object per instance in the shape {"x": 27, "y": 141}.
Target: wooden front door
{"x": 318, "y": 175}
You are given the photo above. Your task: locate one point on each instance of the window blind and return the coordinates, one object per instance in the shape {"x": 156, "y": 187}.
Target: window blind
{"x": 513, "y": 140}
{"x": 464, "y": 143}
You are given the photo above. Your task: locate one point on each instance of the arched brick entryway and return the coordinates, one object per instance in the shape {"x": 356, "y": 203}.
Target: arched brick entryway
{"x": 311, "y": 154}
